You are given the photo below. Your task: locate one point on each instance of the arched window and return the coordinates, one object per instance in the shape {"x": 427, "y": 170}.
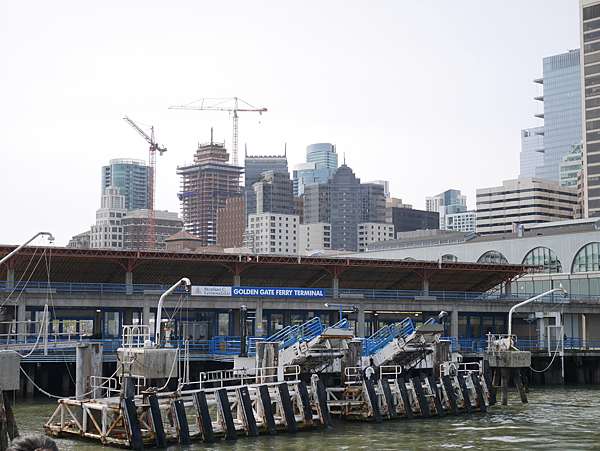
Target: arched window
{"x": 494, "y": 257}
{"x": 543, "y": 256}
{"x": 587, "y": 258}
{"x": 449, "y": 258}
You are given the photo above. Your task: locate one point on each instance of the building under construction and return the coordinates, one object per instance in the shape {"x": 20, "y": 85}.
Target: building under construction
{"x": 206, "y": 184}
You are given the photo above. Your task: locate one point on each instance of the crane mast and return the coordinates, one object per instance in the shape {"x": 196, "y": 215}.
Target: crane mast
{"x": 233, "y": 105}
{"x": 153, "y": 148}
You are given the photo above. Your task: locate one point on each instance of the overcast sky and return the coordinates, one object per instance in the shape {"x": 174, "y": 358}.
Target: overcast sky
{"x": 429, "y": 95}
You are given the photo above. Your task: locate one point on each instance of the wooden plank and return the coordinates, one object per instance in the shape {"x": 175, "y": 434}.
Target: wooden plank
{"x": 286, "y": 406}
{"x": 157, "y": 422}
{"x": 135, "y": 433}
{"x": 405, "y": 398}
{"x": 519, "y": 384}
{"x": 465, "y": 392}
{"x": 479, "y": 391}
{"x": 249, "y": 421}
{"x": 437, "y": 399}
{"x": 203, "y": 416}
{"x": 267, "y": 408}
{"x": 449, "y": 388}
{"x": 306, "y": 405}
{"x": 389, "y": 399}
{"x": 421, "y": 398}
{"x": 322, "y": 402}
{"x": 369, "y": 388}
{"x": 184, "y": 428}
{"x": 225, "y": 411}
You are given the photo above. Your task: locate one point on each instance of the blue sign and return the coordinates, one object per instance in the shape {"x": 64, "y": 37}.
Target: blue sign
{"x": 258, "y": 292}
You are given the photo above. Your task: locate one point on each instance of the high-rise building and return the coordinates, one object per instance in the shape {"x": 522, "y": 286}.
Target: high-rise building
{"x": 80, "y": 241}
{"x": 231, "y": 223}
{"x": 316, "y": 205}
{"x": 372, "y": 203}
{"x": 386, "y": 187}
{"x": 561, "y": 110}
{"x": 409, "y": 219}
{"x": 390, "y": 204}
{"x": 273, "y": 233}
{"x": 135, "y": 228}
{"x": 273, "y": 193}
{"x": 369, "y": 232}
{"x": 532, "y": 151}
{"x": 590, "y": 94}
{"x": 571, "y": 166}
{"x": 107, "y": 233}
{"x": 464, "y": 221}
{"x": 451, "y": 197}
{"x": 321, "y": 163}
{"x": 452, "y": 208}
{"x": 523, "y": 201}
{"x": 314, "y": 237}
{"x": 256, "y": 165}
{"x": 344, "y": 208}
{"x": 206, "y": 184}
{"x": 131, "y": 178}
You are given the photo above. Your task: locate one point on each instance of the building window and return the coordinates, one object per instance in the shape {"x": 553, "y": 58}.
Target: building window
{"x": 448, "y": 258}
{"x": 544, "y": 257}
{"x": 493, "y": 257}
{"x": 587, "y": 259}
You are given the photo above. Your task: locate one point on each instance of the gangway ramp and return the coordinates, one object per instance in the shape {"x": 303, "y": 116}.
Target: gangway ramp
{"x": 401, "y": 343}
{"x": 312, "y": 345}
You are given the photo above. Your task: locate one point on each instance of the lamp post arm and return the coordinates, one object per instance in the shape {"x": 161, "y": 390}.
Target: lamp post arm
{"x": 7, "y": 257}
{"x": 161, "y": 301}
{"x": 527, "y": 301}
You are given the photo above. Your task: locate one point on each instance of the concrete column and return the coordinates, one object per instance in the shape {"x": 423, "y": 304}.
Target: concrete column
{"x": 234, "y": 318}
{"x": 10, "y": 277}
{"x": 21, "y": 324}
{"x": 129, "y": 282}
{"x": 508, "y": 288}
{"x": 335, "y": 286}
{"x": 425, "y": 286}
{"x": 28, "y": 385}
{"x": 360, "y": 321}
{"x": 454, "y": 324}
{"x": 583, "y": 331}
{"x": 258, "y": 319}
{"x": 237, "y": 280}
{"x": 88, "y": 362}
{"x": 146, "y": 316}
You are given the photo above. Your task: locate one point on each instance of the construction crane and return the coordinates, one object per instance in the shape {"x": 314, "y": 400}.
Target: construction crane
{"x": 154, "y": 147}
{"x": 233, "y": 105}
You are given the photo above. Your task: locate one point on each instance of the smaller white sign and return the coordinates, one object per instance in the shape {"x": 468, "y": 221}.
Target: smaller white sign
{"x": 211, "y": 291}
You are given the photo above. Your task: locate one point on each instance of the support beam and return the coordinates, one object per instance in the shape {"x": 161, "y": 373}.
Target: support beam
{"x": 454, "y": 324}
{"x": 425, "y": 285}
{"x": 335, "y": 286}
{"x": 10, "y": 277}
{"x": 258, "y": 319}
{"x": 360, "y": 321}
{"x": 21, "y": 324}
{"x": 88, "y": 363}
{"x": 129, "y": 282}
{"x": 237, "y": 280}
{"x": 146, "y": 315}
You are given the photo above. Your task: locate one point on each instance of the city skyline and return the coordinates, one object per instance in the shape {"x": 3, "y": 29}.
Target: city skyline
{"x": 72, "y": 118}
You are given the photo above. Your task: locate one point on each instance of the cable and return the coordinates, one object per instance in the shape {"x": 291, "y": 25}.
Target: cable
{"x": 38, "y": 387}
{"x": 551, "y": 361}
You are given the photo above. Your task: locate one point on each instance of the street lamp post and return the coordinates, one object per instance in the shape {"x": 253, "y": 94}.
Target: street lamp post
{"x": 7, "y": 257}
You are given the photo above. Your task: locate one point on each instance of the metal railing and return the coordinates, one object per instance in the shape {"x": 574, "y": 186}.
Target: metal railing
{"x": 141, "y": 289}
{"x": 386, "y": 334}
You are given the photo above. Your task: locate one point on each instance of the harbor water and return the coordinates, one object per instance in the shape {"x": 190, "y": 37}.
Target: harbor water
{"x": 556, "y": 418}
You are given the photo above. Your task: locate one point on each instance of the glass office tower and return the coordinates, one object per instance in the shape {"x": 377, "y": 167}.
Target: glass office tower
{"x": 131, "y": 177}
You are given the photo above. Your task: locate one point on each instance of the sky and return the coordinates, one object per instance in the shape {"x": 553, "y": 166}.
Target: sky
{"x": 427, "y": 94}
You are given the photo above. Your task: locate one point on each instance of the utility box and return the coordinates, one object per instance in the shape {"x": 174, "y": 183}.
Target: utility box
{"x": 10, "y": 362}
{"x": 151, "y": 363}
{"x": 509, "y": 359}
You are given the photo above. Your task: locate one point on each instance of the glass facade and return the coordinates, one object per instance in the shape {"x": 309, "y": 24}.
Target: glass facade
{"x": 131, "y": 177}
{"x": 321, "y": 163}
{"x": 254, "y": 166}
{"x": 544, "y": 257}
{"x": 587, "y": 259}
{"x": 532, "y": 151}
{"x": 562, "y": 111}
{"x": 570, "y": 167}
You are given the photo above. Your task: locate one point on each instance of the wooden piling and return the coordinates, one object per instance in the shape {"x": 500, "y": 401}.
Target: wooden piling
{"x": 3, "y": 424}
{"x": 243, "y": 396}
{"x": 226, "y": 415}
{"x": 203, "y": 417}
{"x": 286, "y": 406}
{"x": 504, "y": 379}
{"x": 157, "y": 422}
{"x": 389, "y": 399}
{"x": 465, "y": 393}
{"x": 436, "y": 396}
{"x": 267, "y": 409}
{"x": 322, "y": 407}
{"x": 450, "y": 393}
{"x": 404, "y": 396}
{"x": 306, "y": 405}
{"x": 369, "y": 389}
{"x": 182, "y": 423}
{"x": 421, "y": 398}
{"x": 479, "y": 391}
{"x": 133, "y": 424}
{"x": 519, "y": 384}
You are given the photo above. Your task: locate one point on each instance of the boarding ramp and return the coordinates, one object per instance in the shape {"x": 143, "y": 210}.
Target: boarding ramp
{"x": 401, "y": 344}
{"x": 312, "y": 345}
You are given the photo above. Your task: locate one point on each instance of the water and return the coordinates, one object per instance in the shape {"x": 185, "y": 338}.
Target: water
{"x": 554, "y": 419}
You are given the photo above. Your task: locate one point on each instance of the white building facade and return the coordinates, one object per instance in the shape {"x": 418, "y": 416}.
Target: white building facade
{"x": 107, "y": 233}
{"x": 373, "y": 232}
{"x": 314, "y": 237}
{"x": 273, "y": 233}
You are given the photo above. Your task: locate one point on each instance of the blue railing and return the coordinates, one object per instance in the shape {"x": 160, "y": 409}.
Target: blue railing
{"x": 300, "y": 333}
{"x": 140, "y": 289}
{"x": 342, "y": 324}
{"x": 386, "y": 334}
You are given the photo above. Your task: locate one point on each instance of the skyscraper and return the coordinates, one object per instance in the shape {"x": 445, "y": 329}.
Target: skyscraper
{"x": 205, "y": 187}
{"x": 590, "y": 85}
{"x": 532, "y": 151}
{"x": 372, "y": 202}
{"x": 321, "y": 163}
{"x": 452, "y": 208}
{"x": 562, "y": 110}
{"x": 131, "y": 178}
{"x": 345, "y": 212}
{"x": 254, "y": 166}
{"x": 273, "y": 193}
{"x": 107, "y": 233}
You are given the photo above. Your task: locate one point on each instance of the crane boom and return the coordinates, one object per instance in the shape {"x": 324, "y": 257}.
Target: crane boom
{"x": 233, "y": 105}
{"x": 154, "y": 146}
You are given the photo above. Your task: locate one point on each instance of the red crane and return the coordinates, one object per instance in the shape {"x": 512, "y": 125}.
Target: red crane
{"x": 154, "y": 146}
